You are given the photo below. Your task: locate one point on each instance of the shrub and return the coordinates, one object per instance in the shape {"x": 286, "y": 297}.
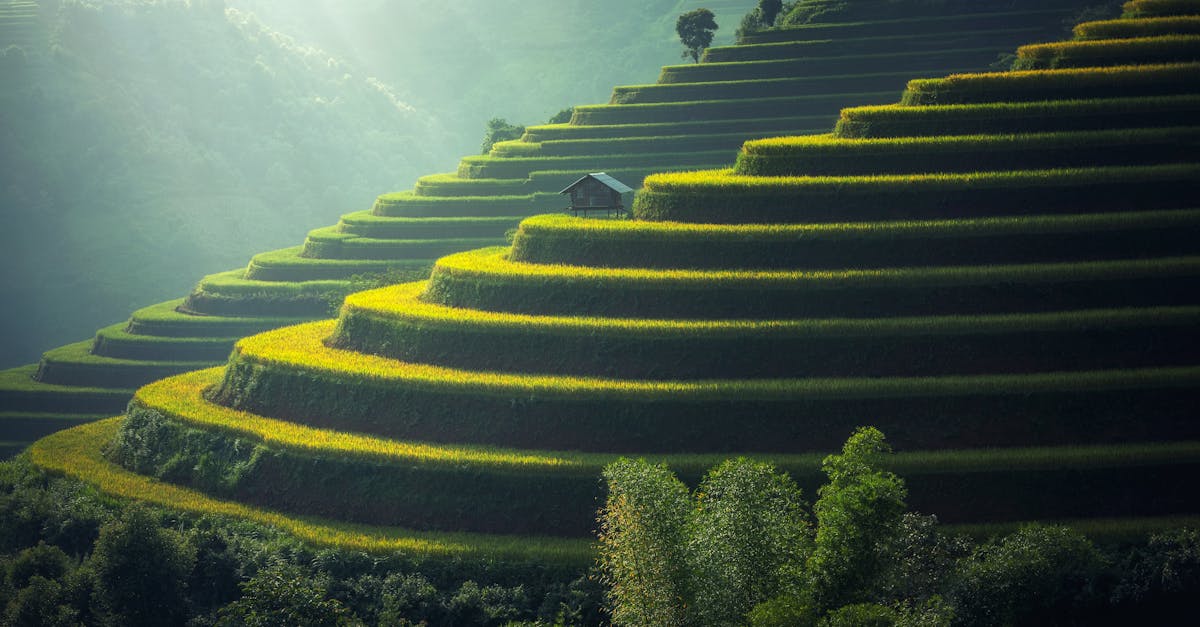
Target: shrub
{"x": 143, "y": 569}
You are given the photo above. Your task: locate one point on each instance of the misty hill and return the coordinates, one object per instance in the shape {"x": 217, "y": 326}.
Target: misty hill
{"x": 143, "y": 141}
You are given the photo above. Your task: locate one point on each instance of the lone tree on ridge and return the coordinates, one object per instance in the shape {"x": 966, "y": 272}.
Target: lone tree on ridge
{"x": 695, "y": 30}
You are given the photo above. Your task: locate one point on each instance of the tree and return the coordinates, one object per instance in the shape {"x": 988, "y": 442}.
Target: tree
{"x": 642, "y": 544}
{"x": 748, "y": 532}
{"x": 142, "y": 569}
{"x": 695, "y": 29}
{"x": 859, "y": 512}
{"x": 1040, "y": 575}
{"x": 768, "y": 10}
{"x": 284, "y": 595}
{"x": 562, "y": 117}
{"x": 499, "y": 130}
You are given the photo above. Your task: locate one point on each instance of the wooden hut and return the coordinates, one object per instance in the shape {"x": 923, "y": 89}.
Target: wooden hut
{"x": 597, "y": 192}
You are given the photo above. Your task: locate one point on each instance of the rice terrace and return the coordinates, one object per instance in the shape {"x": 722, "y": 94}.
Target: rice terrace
{"x": 864, "y": 313}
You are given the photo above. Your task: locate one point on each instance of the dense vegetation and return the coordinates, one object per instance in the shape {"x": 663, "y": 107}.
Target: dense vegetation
{"x": 744, "y": 548}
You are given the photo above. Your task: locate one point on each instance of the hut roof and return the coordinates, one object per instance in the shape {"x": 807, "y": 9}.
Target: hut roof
{"x": 608, "y": 181}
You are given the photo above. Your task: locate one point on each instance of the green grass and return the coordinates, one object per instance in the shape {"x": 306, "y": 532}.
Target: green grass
{"x": 230, "y": 294}
{"x": 451, "y": 185}
{"x": 77, "y": 454}
{"x": 720, "y": 196}
{"x": 485, "y": 166}
{"x": 817, "y": 67}
{"x": 115, "y": 341}
{"x": 750, "y": 108}
{"x": 1159, "y": 8}
{"x": 75, "y": 365}
{"x": 734, "y": 87}
{"x": 1018, "y": 117}
{"x": 817, "y": 155}
{"x": 1033, "y": 85}
{"x": 393, "y": 322}
{"x": 26, "y": 427}
{"x": 329, "y": 243}
{"x": 408, "y": 205}
{"x": 555, "y": 132}
{"x": 930, "y": 25}
{"x": 289, "y": 265}
{"x": 867, "y": 45}
{"x": 1091, "y": 53}
{"x": 331, "y": 471}
{"x": 560, "y": 239}
{"x": 165, "y": 320}
{"x": 367, "y": 224}
{"x": 486, "y": 280}
{"x": 674, "y": 143}
{"x": 19, "y": 391}
{"x": 633, "y": 177}
{"x": 1148, "y": 27}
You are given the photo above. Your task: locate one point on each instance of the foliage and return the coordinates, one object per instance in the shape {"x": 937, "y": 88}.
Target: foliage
{"x": 1142, "y": 50}
{"x": 695, "y": 29}
{"x": 143, "y": 568}
{"x": 1038, "y": 575}
{"x": 283, "y": 595}
{"x": 562, "y": 117}
{"x": 254, "y": 573}
{"x": 499, "y": 130}
{"x": 858, "y": 511}
{"x": 1032, "y": 85}
{"x": 748, "y": 534}
{"x": 642, "y": 544}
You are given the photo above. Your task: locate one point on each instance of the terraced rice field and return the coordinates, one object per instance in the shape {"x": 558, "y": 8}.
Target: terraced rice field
{"x": 696, "y": 116}
{"x": 1024, "y": 331}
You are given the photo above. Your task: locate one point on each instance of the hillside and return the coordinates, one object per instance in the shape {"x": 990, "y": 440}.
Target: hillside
{"x": 144, "y": 140}
{"x": 999, "y": 271}
{"x": 696, "y": 115}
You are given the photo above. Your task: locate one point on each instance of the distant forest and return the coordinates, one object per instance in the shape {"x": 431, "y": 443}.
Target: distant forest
{"x": 147, "y": 143}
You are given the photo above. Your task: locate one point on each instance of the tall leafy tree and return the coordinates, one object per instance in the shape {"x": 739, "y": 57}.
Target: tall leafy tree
{"x": 642, "y": 544}
{"x": 768, "y": 10}
{"x": 858, "y": 512}
{"x": 695, "y": 30}
{"x": 748, "y": 532}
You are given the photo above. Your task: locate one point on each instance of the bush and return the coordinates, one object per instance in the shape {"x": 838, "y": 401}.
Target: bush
{"x": 1038, "y": 575}
{"x": 143, "y": 569}
{"x": 498, "y": 130}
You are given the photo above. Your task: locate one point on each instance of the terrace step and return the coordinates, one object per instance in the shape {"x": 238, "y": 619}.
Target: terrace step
{"x": 838, "y": 46}
{"x": 560, "y": 239}
{"x": 817, "y": 67}
{"x": 75, "y": 365}
{"x": 18, "y": 429}
{"x": 292, "y": 375}
{"x": 20, "y": 392}
{"x": 393, "y": 322}
{"x": 331, "y": 244}
{"x": 167, "y": 321}
{"x": 367, "y": 224}
{"x": 1030, "y": 86}
{"x": 487, "y": 280}
{"x": 932, "y": 25}
{"x": 114, "y": 341}
{"x": 818, "y": 155}
{"x": 1032, "y": 117}
{"x": 752, "y": 108}
{"x": 546, "y": 492}
{"x": 720, "y": 196}
{"x": 230, "y": 294}
{"x": 288, "y": 264}
{"x": 553, "y": 132}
